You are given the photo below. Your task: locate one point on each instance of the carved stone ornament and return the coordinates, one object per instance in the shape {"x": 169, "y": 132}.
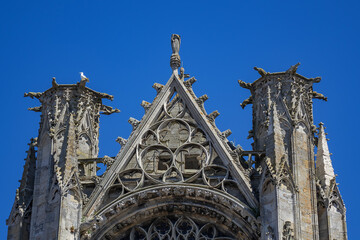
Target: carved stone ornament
{"x": 175, "y": 57}
{"x": 288, "y": 231}
{"x": 270, "y": 235}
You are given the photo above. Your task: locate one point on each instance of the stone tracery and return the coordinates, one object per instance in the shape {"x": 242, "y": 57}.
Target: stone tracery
{"x": 179, "y": 228}
{"x": 173, "y": 150}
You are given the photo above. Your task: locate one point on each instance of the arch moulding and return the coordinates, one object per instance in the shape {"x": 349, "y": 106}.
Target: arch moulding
{"x": 206, "y": 205}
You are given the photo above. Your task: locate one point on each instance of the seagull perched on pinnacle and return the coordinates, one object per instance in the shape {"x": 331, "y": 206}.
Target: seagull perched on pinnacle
{"x": 83, "y": 80}
{"x": 83, "y": 77}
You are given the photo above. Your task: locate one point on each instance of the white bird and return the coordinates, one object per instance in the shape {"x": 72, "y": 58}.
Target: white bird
{"x": 83, "y": 77}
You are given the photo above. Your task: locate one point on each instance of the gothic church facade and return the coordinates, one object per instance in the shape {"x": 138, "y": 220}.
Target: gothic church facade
{"x": 177, "y": 176}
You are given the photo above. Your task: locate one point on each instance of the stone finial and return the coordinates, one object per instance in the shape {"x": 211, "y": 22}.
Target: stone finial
{"x": 158, "y": 87}
{"x": 134, "y": 123}
{"x": 175, "y": 57}
{"x": 121, "y": 141}
{"x": 261, "y": 71}
{"x": 244, "y": 84}
{"x": 213, "y": 115}
{"x": 146, "y": 105}
{"x": 292, "y": 70}
{"x": 324, "y": 168}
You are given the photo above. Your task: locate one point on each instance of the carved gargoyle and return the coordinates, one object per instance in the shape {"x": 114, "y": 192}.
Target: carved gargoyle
{"x": 108, "y": 161}
{"x": 319, "y": 96}
{"x": 261, "y": 71}
{"x": 146, "y": 105}
{"x": 213, "y": 115}
{"x": 244, "y": 84}
{"x": 107, "y": 110}
{"x": 35, "y": 109}
{"x": 246, "y": 102}
{"x": 33, "y": 94}
{"x": 202, "y": 99}
{"x": 315, "y": 80}
{"x": 107, "y": 96}
{"x": 226, "y": 133}
{"x": 134, "y": 122}
{"x": 188, "y": 83}
{"x": 121, "y": 141}
{"x": 292, "y": 70}
{"x": 251, "y": 134}
{"x": 158, "y": 87}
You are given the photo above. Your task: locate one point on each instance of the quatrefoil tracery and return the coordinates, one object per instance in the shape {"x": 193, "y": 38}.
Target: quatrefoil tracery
{"x": 174, "y": 150}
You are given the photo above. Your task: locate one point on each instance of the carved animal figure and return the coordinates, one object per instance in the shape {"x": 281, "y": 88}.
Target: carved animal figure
{"x": 319, "y": 96}
{"x": 260, "y": 71}
{"x": 246, "y": 102}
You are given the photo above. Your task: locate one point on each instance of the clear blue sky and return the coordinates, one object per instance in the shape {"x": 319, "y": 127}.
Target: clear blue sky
{"x": 124, "y": 47}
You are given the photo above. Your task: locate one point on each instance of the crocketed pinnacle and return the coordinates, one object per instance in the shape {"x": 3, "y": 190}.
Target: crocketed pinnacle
{"x": 275, "y": 150}
{"x": 324, "y": 169}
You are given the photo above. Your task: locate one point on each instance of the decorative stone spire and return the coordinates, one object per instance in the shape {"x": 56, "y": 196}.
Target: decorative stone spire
{"x": 324, "y": 168}
{"x": 175, "y": 57}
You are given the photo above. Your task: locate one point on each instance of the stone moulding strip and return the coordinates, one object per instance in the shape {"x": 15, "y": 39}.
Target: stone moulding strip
{"x": 182, "y": 193}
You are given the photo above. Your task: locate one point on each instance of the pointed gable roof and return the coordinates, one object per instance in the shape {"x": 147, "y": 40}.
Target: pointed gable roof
{"x": 183, "y": 90}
